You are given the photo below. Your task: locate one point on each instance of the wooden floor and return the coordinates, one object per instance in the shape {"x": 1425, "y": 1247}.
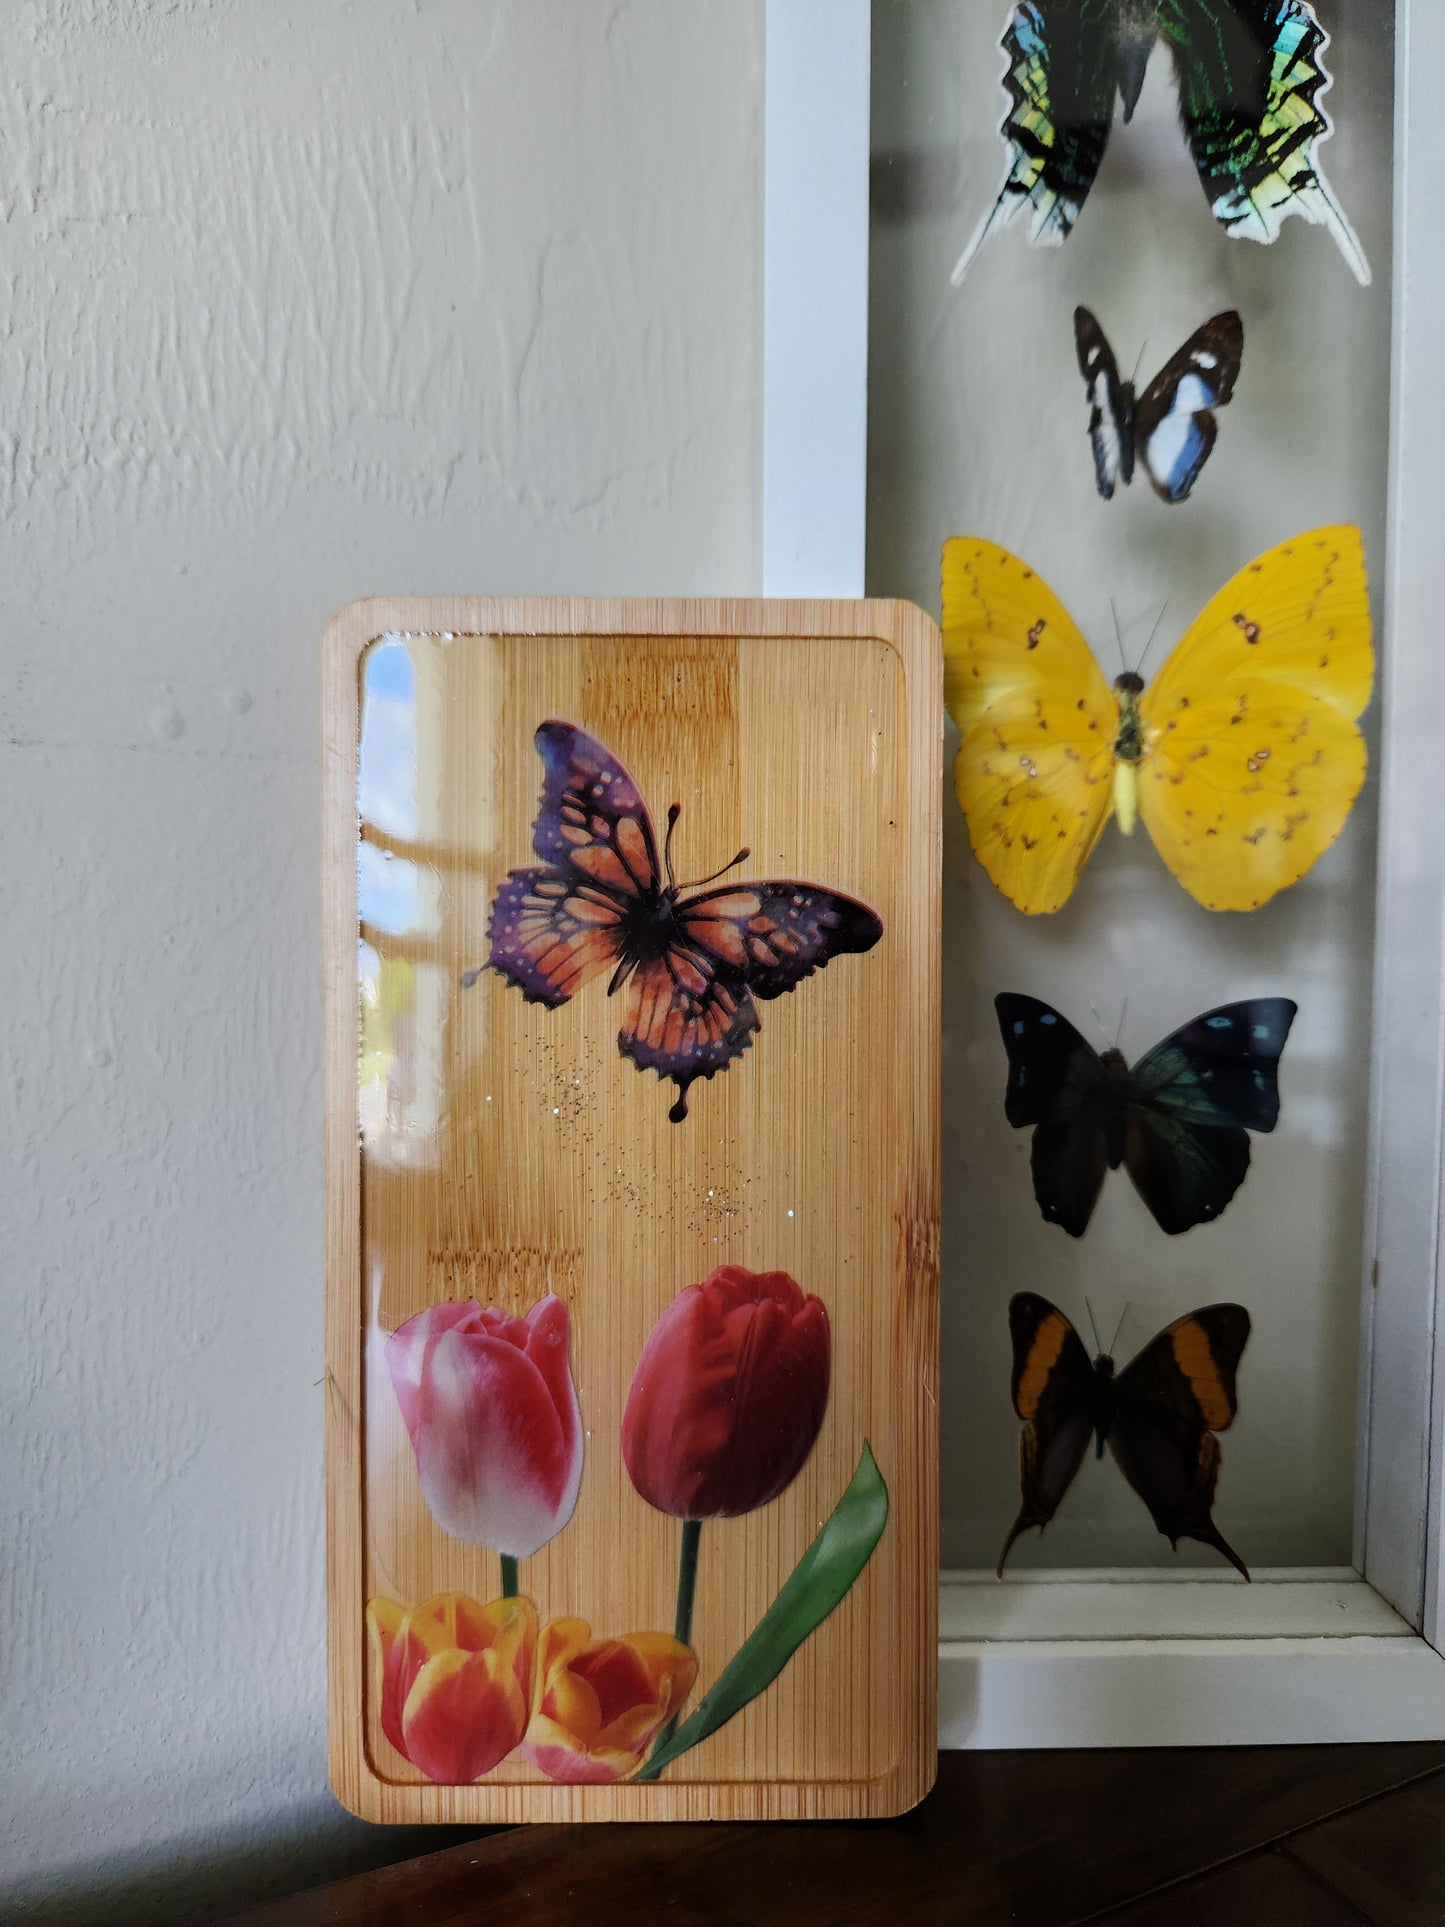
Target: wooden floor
{"x": 1297, "y": 1837}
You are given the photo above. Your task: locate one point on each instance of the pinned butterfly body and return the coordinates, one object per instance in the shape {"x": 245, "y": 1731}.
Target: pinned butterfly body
{"x": 1250, "y": 74}
{"x": 1170, "y": 426}
{"x": 1242, "y": 757}
{"x": 1158, "y": 1417}
{"x": 1178, "y": 1121}
{"x": 691, "y": 965}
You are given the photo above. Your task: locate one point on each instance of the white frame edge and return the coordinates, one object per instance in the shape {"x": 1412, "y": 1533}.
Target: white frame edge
{"x": 817, "y": 61}
{"x": 1160, "y": 1692}
{"x": 1402, "y": 1466}
{"x": 1010, "y": 1675}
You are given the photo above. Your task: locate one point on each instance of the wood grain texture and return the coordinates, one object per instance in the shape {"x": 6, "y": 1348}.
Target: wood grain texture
{"x": 527, "y": 1156}
{"x": 1035, "y": 1839}
{"x": 1388, "y": 1858}
{"x": 1267, "y": 1890}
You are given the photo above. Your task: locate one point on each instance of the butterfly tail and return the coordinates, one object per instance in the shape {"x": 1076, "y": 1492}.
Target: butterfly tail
{"x": 1052, "y": 157}
{"x": 1208, "y": 1534}
{"x": 1025, "y": 1522}
{"x": 1000, "y": 214}
{"x": 1254, "y": 123}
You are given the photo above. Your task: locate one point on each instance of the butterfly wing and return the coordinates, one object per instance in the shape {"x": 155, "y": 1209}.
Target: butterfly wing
{"x": 553, "y": 928}
{"x": 1168, "y": 1404}
{"x": 1194, "y": 1099}
{"x": 1057, "y": 1084}
{"x": 1222, "y": 1068}
{"x": 1034, "y": 772}
{"x": 1251, "y": 78}
{"x": 1060, "y": 74}
{"x": 1252, "y": 759}
{"x": 685, "y": 1019}
{"x": 1053, "y": 1074}
{"x": 1174, "y": 417}
{"x": 690, "y": 1011}
{"x": 772, "y": 935}
{"x": 549, "y": 933}
{"x": 1055, "y": 1394}
{"x": 1111, "y": 406}
{"x": 1184, "y": 1174}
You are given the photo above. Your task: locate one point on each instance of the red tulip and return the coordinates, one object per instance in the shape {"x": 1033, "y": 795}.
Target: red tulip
{"x": 728, "y": 1396}
{"x": 493, "y": 1418}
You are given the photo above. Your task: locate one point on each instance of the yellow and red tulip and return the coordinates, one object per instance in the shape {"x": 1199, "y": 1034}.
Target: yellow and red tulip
{"x": 454, "y": 1681}
{"x": 600, "y": 1703}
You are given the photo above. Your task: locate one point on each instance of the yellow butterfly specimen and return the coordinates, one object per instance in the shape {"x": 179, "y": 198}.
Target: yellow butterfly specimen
{"x": 1242, "y": 757}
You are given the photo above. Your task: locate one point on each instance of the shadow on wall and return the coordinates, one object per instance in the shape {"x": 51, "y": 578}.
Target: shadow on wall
{"x": 203, "y": 1886}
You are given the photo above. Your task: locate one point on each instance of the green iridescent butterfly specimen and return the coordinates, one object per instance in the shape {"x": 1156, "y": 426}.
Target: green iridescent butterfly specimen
{"x": 1250, "y": 74}
{"x": 1178, "y": 1121}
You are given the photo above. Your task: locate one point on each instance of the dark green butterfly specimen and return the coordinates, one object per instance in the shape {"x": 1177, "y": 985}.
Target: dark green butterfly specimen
{"x": 1250, "y": 74}
{"x": 1178, "y": 1122}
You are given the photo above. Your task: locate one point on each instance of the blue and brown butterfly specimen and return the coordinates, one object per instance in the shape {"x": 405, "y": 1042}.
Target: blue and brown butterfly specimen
{"x": 1158, "y": 1417}
{"x": 1170, "y": 427}
{"x": 691, "y": 965}
{"x": 1178, "y": 1121}
{"x": 1250, "y": 74}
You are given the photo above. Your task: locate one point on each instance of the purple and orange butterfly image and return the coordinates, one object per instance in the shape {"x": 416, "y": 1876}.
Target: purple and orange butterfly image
{"x": 691, "y": 965}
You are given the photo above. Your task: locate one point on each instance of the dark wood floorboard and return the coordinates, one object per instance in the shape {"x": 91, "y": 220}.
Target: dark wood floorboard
{"x": 1031, "y": 1839}
{"x": 1387, "y": 1858}
{"x": 1267, "y": 1890}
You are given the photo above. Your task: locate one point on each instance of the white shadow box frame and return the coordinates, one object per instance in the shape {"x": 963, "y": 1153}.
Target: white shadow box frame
{"x": 1136, "y": 1658}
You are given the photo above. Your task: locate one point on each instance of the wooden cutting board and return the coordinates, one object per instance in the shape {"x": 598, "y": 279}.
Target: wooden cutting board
{"x": 491, "y": 1150}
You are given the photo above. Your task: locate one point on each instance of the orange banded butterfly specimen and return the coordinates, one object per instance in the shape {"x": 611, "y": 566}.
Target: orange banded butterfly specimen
{"x": 691, "y": 965}
{"x": 1242, "y": 757}
{"x": 1158, "y": 1417}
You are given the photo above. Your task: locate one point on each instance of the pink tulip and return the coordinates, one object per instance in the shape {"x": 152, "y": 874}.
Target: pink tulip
{"x": 493, "y": 1418}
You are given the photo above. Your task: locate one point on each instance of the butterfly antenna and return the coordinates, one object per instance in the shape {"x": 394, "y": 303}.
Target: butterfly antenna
{"x": 1134, "y": 378}
{"x": 1098, "y": 1348}
{"x": 1119, "y": 1327}
{"x": 674, "y": 811}
{"x": 742, "y": 856}
{"x": 1118, "y": 633}
{"x": 1163, "y": 609}
{"x": 1123, "y": 1013}
{"x": 1103, "y": 1027}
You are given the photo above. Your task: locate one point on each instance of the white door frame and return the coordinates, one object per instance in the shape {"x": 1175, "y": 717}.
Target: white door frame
{"x": 1140, "y": 1658}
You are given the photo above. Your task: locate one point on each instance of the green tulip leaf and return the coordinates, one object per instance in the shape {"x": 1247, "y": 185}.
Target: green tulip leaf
{"x": 817, "y": 1584}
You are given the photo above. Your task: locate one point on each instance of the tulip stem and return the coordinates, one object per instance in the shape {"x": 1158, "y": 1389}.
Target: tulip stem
{"x": 510, "y": 1587}
{"x": 687, "y": 1579}
{"x": 682, "y": 1623}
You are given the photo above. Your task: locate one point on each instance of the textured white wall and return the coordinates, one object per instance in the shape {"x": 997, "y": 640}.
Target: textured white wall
{"x": 298, "y": 303}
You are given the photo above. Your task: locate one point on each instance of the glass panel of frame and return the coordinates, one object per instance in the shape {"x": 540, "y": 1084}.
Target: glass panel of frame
{"x": 1009, "y": 402}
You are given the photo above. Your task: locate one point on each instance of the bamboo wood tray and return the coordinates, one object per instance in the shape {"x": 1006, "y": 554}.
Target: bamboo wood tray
{"x": 631, "y": 1442}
